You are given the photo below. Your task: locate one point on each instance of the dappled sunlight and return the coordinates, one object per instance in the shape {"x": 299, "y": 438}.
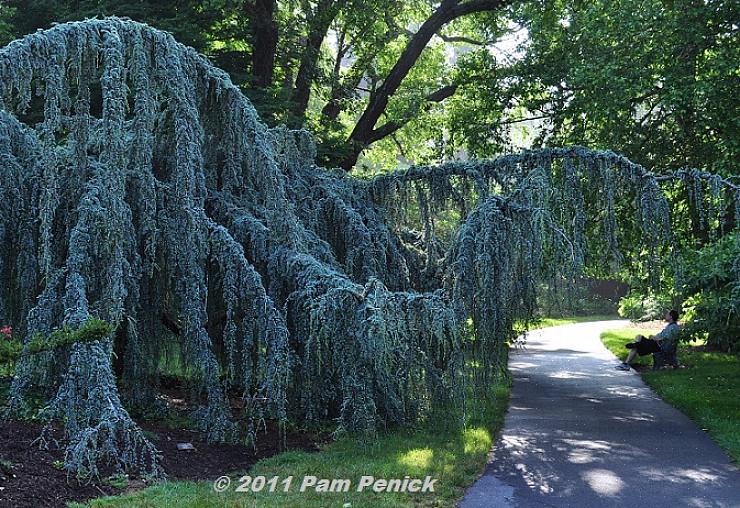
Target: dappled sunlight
{"x": 568, "y": 374}
{"x": 521, "y": 365}
{"x": 696, "y": 502}
{"x": 538, "y": 473}
{"x": 603, "y": 481}
{"x": 588, "y": 444}
{"x": 535, "y": 480}
{"x": 418, "y": 459}
{"x": 701, "y": 475}
{"x": 630, "y": 391}
{"x": 476, "y": 440}
{"x": 534, "y": 457}
{"x": 578, "y": 430}
{"x": 521, "y": 449}
{"x": 519, "y": 446}
{"x": 634, "y": 417}
{"x": 584, "y": 451}
{"x": 582, "y": 457}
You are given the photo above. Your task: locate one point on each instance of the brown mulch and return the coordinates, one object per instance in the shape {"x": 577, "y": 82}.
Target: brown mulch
{"x": 34, "y": 482}
{"x": 209, "y": 461}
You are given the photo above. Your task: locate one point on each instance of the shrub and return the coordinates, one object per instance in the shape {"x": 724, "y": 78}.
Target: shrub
{"x": 639, "y": 307}
{"x": 711, "y": 291}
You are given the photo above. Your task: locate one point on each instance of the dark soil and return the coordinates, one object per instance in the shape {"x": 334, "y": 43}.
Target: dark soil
{"x": 209, "y": 461}
{"x": 34, "y": 482}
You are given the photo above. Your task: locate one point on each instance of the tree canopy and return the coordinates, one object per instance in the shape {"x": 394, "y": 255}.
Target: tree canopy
{"x": 426, "y": 82}
{"x": 654, "y": 80}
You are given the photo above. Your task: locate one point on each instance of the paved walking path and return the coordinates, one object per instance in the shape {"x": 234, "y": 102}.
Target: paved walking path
{"x": 581, "y": 434}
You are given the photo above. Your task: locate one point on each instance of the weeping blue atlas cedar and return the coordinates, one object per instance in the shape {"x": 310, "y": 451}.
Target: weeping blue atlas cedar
{"x": 139, "y": 186}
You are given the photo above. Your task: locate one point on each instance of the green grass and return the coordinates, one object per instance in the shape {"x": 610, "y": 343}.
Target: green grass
{"x": 454, "y": 456}
{"x": 706, "y": 391}
{"x": 119, "y": 481}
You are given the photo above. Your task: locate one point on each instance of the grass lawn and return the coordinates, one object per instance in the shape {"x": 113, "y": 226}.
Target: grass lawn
{"x": 708, "y": 390}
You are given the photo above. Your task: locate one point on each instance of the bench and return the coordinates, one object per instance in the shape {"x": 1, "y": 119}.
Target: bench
{"x": 666, "y": 355}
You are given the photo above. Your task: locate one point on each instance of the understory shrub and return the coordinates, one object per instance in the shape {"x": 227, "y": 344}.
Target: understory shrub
{"x": 643, "y": 307}
{"x": 711, "y": 288}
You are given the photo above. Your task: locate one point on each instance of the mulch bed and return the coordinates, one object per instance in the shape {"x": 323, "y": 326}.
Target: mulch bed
{"x": 34, "y": 482}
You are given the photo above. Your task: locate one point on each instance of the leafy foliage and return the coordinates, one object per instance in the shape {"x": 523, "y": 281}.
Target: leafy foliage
{"x": 711, "y": 288}
{"x": 654, "y": 80}
{"x": 172, "y": 212}
{"x": 638, "y": 307}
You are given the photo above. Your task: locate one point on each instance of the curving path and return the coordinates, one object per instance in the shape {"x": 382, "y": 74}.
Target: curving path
{"x": 581, "y": 434}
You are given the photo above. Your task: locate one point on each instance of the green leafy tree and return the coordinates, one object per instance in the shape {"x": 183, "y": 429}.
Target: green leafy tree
{"x": 654, "y": 80}
{"x": 710, "y": 286}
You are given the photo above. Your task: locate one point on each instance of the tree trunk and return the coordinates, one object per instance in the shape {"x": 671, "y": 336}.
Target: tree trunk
{"x": 319, "y": 25}
{"x": 448, "y": 10}
{"x": 343, "y": 88}
{"x": 265, "y": 42}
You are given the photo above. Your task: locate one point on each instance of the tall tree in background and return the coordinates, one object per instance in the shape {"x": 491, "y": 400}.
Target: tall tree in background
{"x": 656, "y": 80}
{"x": 335, "y": 66}
{"x": 264, "y": 47}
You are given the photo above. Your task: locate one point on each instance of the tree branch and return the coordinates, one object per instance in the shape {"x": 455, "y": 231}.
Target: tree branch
{"x": 447, "y": 11}
{"x": 463, "y": 39}
{"x": 392, "y": 126}
{"x": 519, "y": 120}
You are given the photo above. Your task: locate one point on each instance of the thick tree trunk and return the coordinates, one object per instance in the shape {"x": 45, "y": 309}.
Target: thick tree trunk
{"x": 319, "y": 25}
{"x": 364, "y": 131}
{"x": 265, "y": 42}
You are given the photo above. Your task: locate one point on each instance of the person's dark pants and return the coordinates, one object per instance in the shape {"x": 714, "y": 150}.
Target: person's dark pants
{"x": 647, "y": 347}
{"x": 642, "y": 347}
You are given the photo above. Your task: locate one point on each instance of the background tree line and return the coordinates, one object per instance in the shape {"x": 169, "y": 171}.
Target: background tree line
{"x": 424, "y": 81}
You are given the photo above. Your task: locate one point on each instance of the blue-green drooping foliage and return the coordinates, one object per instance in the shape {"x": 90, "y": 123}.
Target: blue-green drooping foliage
{"x": 138, "y": 186}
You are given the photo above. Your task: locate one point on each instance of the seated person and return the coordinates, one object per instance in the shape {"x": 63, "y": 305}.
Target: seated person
{"x": 648, "y": 345}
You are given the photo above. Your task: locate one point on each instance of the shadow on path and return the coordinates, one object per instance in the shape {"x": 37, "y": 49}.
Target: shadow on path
{"x": 581, "y": 434}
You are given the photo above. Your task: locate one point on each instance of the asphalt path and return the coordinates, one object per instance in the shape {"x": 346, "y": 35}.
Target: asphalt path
{"x": 579, "y": 433}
